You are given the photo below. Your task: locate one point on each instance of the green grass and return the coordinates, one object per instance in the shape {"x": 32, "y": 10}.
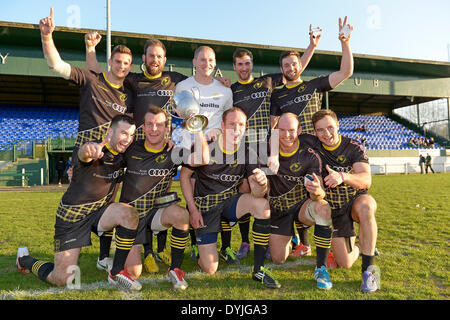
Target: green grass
{"x": 413, "y": 243}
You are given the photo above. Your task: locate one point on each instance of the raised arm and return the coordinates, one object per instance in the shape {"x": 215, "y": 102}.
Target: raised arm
{"x": 54, "y": 61}
{"x": 313, "y": 43}
{"x": 346, "y": 70}
{"x": 91, "y": 40}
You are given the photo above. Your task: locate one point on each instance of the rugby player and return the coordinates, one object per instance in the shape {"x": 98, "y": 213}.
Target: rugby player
{"x": 305, "y": 97}
{"x": 214, "y": 98}
{"x": 252, "y": 95}
{"x": 86, "y": 207}
{"x": 102, "y": 94}
{"x": 151, "y": 87}
{"x": 216, "y": 197}
{"x": 150, "y": 169}
{"x": 292, "y": 197}
{"x": 347, "y": 178}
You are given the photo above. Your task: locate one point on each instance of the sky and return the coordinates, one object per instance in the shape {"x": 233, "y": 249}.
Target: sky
{"x": 413, "y": 29}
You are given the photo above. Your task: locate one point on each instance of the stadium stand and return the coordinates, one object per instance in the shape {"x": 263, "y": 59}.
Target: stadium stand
{"x": 380, "y": 132}
{"x": 41, "y": 123}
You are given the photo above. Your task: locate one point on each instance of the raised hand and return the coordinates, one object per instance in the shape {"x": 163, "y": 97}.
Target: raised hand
{"x": 345, "y": 30}
{"x": 314, "y": 35}
{"x": 47, "y": 25}
{"x": 313, "y": 187}
{"x": 92, "y": 39}
{"x": 94, "y": 150}
{"x": 334, "y": 178}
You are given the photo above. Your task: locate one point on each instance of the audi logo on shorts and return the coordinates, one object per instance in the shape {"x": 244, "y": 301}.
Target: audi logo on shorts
{"x": 259, "y": 95}
{"x": 229, "y": 178}
{"x": 158, "y": 172}
{"x": 164, "y": 93}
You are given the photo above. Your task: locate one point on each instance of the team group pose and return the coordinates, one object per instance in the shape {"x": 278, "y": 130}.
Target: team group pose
{"x": 269, "y": 151}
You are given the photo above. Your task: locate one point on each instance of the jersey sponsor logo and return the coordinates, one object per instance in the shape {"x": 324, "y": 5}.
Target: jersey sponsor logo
{"x": 158, "y": 172}
{"x": 113, "y": 175}
{"x": 341, "y": 169}
{"x": 229, "y": 177}
{"x": 259, "y": 94}
{"x": 293, "y": 179}
{"x": 304, "y": 98}
{"x": 114, "y": 105}
{"x": 164, "y": 93}
{"x": 209, "y": 105}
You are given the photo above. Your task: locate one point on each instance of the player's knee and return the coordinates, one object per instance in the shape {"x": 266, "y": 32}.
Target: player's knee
{"x": 261, "y": 208}
{"x": 343, "y": 261}
{"x": 182, "y": 216}
{"x": 366, "y": 210}
{"x": 278, "y": 258}
{"x": 129, "y": 217}
{"x": 208, "y": 268}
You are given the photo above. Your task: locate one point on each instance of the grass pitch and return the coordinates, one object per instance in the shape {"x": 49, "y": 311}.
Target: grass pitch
{"x": 413, "y": 241}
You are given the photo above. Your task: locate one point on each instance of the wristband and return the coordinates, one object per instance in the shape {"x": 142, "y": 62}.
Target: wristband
{"x": 342, "y": 176}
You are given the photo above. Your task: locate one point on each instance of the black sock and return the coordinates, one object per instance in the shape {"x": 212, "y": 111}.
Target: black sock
{"x": 193, "y": 237}
{"x": 39, "y": 268}
{"x": 161, "y": 238}
{"x": 302, "y": 233}
{"x": 178, "y": 242}
{"x": 322, "y": 238}
{"x": 148, "y": 245}
{"x": 105, "y": 244}
{"x": 244, "y": 227}
{"x": 124, "y": 241}
{"x": 366, "y": 262}
{"x": 261, "y": 234}
{"x": 225, "y": 235}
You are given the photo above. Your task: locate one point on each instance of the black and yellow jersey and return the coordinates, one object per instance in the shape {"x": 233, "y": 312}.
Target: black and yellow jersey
{"x": 339, "y": 158}
{"x": 253, "y": 97}
{"x": 287, "y": 187}
{"x": 148, "y": 175}
{"x": 151, "y": 91}
{"x": 100, "y": 101}
{"x": 302, "y": 99}
{"x": 220, "y": 179}
{"x": 92, "y": 185}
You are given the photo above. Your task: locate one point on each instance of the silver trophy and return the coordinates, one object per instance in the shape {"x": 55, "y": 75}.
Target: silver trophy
{"x": 188, "y": 108}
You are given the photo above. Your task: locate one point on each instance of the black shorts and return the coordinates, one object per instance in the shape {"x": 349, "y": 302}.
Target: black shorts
{"x": 282, "y": 222}
{"x": 343, "y": 225}
{"x": 212, "y": 218}
{"x": 144, "y": 224}
{"x": 70, "y": 235}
